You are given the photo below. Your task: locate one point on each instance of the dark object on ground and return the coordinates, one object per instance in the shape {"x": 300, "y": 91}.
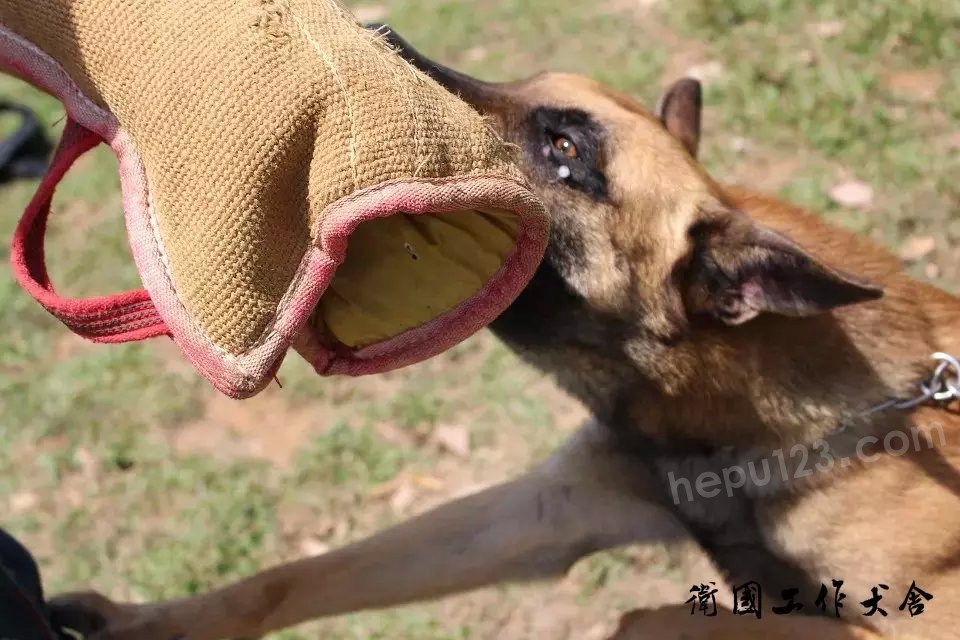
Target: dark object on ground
{"x": 23, "y": 611}
{"x": 23, "y": 154}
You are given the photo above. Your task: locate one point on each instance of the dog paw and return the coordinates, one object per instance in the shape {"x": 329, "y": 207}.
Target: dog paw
{"x": 96, "y": 617}
{"x": 87, "y": 613}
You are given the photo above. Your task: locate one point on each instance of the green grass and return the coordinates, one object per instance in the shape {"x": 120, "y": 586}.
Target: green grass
{"x": 91, "y": 473}
{"x": 349, "y": 457}
{"x": 797, "y": 90}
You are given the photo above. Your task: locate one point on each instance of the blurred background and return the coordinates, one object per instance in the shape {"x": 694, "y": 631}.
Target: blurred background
{"x": 125, "y": 472}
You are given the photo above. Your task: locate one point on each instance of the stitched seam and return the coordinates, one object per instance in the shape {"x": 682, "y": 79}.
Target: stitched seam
{"x": 328, "y": 60}
{"x": 69, "y": 87}
{"x": 167, "y": 272}
{"x": 109, "y": 331}
{"x": 107, "y": 315}
{"x": 377, "y": 45}
{"x": 117, "y": 322}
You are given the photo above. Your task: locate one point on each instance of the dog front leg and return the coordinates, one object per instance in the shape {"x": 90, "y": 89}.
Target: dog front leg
{"x": 534, "y": 527}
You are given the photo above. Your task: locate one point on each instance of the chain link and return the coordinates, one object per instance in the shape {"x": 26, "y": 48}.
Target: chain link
{"x": 950, "y": 389}
{"x": 943, "y": 386}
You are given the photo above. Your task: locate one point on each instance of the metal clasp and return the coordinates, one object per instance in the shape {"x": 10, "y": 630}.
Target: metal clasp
{"x": 946, "y": 387}
{"x": 943, "y": 387}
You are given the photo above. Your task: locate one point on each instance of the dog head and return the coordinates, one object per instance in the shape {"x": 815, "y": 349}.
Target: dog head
{"x": 651, "y": 268}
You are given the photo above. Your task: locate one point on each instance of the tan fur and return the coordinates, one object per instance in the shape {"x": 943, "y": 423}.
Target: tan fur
{"x": 668, "y": 374}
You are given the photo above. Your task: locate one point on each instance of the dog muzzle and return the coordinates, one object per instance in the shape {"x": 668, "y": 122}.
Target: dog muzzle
{"x": 287, "y": 181}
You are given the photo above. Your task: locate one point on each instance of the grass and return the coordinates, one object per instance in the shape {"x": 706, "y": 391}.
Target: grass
{"x": 94, "y": 473}
{"x": 835, "y": 97}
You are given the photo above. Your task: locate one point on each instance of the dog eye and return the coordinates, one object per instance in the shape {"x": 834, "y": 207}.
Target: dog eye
{"x": 565, "y": 146}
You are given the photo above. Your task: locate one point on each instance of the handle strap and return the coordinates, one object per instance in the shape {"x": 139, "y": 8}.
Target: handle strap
{"x": 122, "y": 317}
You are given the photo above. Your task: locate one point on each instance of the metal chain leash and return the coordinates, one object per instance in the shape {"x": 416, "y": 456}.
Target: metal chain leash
{"x": 942, "y": 387}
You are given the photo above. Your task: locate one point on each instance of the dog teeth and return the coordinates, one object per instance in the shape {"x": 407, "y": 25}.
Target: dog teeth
{"x": 563, "y": 172}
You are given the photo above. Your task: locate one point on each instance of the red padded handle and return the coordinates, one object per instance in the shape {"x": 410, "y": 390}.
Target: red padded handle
{"x": 122, "y": 317}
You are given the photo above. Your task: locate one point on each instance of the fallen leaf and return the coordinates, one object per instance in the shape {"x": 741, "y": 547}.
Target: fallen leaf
{"x": 706, "y": 72}
{"x": 453, "y": 439}
{"x": 342, "y": 529}
{"x": 387, "y": 488}
{"x": 739, "y": 144}
{"x": 918, "y": 84}
{"x": 899, "y": 113}
{"x": 600, "y": 630}
{"x": 72, "y": 497}
{"x": 428, "y": 482}
{"x": 614, "y": 7}
{"x": 395, "y": 435}
{"x": 370, "y": 13}
{"x": 806, "y": 57}
{"x": 403, "y": 498}
{"x": 828, "y": 28}
{"x": 313, "y": 546}
{"x": 88, "y": 463}
{"x": 475, "y": 54}
{"x": 852, "y": 194}
{"x": 916, "y": 248}
{"x": 953, "y": 141}
{"x": 23, "y": 501}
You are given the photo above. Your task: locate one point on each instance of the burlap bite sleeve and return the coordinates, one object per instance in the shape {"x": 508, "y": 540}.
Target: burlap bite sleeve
{"x": 287, "y": 181}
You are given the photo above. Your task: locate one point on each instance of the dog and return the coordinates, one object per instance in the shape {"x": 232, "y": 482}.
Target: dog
{"x": 708, "y": 328}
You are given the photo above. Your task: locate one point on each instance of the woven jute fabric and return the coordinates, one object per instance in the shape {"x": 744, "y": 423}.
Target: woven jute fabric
{"x": 252, "y": 118}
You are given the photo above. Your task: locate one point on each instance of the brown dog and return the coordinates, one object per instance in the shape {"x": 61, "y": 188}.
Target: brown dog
{"x": 705, "y": 340}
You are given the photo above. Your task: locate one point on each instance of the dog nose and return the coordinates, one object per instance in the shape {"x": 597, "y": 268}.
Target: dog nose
{"x": 475, "y": 92}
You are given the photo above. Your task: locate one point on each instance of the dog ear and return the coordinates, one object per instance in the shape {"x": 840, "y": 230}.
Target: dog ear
{"x": 740, "y": 269}
{"x": 680, "y": 109}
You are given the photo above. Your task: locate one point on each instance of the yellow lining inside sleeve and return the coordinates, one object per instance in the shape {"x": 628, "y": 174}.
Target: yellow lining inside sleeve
{"x": 406, "y": 270}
